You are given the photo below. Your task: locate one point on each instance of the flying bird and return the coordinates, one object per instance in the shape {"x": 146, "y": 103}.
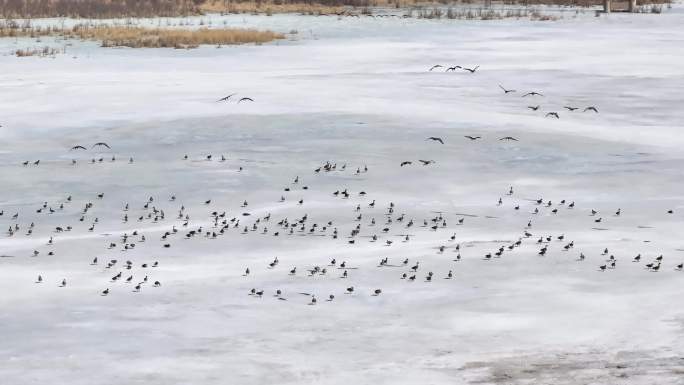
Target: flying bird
{"x": 225, "y": 98}
{"x": 554, "y": 114}
{"x": 452, "y": 68}
{"x": 533, "y": 108}
{"x": 505, "y": 90}
{"x": 533, "y": 93}
{"x": 78, "y": 148}
{"x": 569, "y": 108}
{"x": 472, "y": 137}
{"x": 436, "y": 139}
{"x": 245, "y": 99}
{"x": 591, "y": 108}
{"x": 404, "y": 163}
{"x": 426, "y": 162}
{"x": 102, "y": 144}
{"x": 471, "y": 70}
{"x": 508, "y": 138}
{"x": 435, "y": 66}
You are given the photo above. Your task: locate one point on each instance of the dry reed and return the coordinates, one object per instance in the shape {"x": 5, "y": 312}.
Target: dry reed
{"x": 40, "y": 52}
{"x": 270, "y": 7}
{"x": 139, "y": 37}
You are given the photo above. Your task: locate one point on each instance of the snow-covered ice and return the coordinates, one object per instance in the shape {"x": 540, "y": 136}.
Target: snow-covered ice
{"x": 354, "y": 91}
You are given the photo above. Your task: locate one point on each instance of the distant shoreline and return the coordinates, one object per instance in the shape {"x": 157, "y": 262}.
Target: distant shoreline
{"x": 99, "y": 9}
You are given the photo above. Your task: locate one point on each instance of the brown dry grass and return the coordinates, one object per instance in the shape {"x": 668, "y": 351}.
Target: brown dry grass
{"x": 270, "y": 7}
{"x": 10, "y": 28}
{"x": 139, "y": 37}
{"x": 97, "y": 8}
{"x": 40, "y": 52}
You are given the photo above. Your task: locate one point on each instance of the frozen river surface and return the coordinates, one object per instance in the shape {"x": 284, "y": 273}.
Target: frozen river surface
{"x": 354, "y": 92}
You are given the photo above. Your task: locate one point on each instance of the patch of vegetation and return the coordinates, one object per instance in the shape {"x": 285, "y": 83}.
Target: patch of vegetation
{"x": 139, "y": 37}
{"x": 171, "y": 8}
{"x": 97, "y": 8}
{"x": 477, "y": 14}
{"x": 40, "y": 52}
{"x": 271, "y": 7}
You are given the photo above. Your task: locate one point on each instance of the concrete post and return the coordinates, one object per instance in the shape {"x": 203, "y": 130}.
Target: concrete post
{"x": 632, "y": 6}
{"x": 606, "y": 6}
